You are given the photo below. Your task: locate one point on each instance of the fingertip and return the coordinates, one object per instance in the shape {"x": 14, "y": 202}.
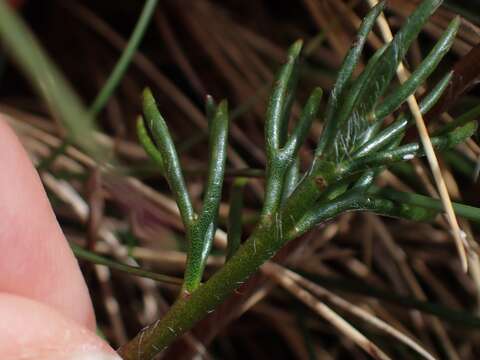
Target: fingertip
{"x": 32, "y": 330}
{"x": 36, "y": 261}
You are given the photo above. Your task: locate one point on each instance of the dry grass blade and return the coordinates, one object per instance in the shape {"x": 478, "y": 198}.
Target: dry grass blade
{"x": 353, "y": 309}
{"x": 328, "y": 314}
{"x": 427, "y": 144}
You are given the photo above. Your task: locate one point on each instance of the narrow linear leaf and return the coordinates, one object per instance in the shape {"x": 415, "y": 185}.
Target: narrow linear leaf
{"x": 400, "y": 125}
{"x": 276, "y": 106}
{"x": 392, "y": 102}
{"x": 468, "y": 212}
{"x": 147, "y": 143}
{"x": 346, "y": 71}
{"x": 216, "y": 168}
{"x": 171, "y": 164}
{"x": 292, "y": 178}
{"x": 409, "y": 151}
{"x": 210, "y": 107}
{"x": 354, "y": 122}
{"x": 472, "y": 114}
{"x": 352, "y": 200}
{"x": 203, "y": 229}
{"x": 308, "y": 115}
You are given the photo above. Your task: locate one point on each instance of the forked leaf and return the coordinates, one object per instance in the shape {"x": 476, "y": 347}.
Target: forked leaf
{"x": 401, "y": 124}
{"x": 400, "y": 95}
{"x": 279, "y": 101}
{"x": 352, "y": 117}
{"x": 218, "y": 140}
{"x": 346, "y": 71}
{"x": 409, "y": 151}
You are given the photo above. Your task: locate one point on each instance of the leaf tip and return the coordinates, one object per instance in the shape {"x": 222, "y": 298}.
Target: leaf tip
{"x": 296, "y": 48}
{"x": 140, "y": 122}
{"x": 147, "y": 94}
{"x": 318, "y": 92}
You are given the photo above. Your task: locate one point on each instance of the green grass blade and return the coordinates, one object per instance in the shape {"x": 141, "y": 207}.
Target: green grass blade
{"x": 62, "y": 101}
{"x": 126, "y": 58}
{"x": 132, "y": 270}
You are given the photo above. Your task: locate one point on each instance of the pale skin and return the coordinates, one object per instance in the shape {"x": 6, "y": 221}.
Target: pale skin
{"x": 45, "y": 308}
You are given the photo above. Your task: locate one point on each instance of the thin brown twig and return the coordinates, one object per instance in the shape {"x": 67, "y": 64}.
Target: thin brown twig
{"x": 328, "y": 314}
{"x": 427, "y": 145}
{"x": 355, "y": 310}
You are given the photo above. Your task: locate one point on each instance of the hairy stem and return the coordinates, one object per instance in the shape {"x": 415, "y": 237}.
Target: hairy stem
{"x": 264, "y": 242}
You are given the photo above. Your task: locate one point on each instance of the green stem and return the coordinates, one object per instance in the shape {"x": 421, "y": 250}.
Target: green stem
{"x": 125, "y": 60}
{"x": 186, "y": 311}
{"x": 264, "y": 242}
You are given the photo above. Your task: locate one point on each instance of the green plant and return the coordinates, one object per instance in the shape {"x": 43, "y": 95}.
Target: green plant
{"x": 354, "y": 147}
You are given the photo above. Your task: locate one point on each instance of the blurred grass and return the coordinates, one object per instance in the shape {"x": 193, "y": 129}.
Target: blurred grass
{"x": 62, "y": 101}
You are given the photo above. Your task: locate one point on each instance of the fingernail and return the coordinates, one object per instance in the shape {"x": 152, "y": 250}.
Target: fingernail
{"x": 95, "y": 355}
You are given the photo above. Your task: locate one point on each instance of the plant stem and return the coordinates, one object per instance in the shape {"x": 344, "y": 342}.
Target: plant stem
{"x": 186, "y": 311}
{"x": 269, "y": 236}
{"x": 122, "y": 65}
